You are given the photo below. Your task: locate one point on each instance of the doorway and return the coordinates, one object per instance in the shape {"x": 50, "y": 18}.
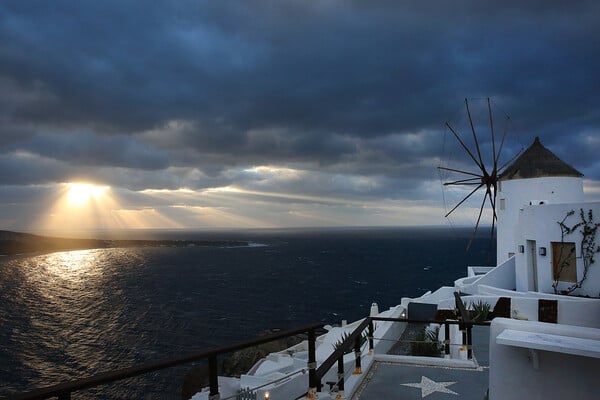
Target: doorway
{"x": 532, "y": 262}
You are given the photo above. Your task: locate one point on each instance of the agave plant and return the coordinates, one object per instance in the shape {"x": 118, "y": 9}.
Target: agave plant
{"x": 345, "y": 335}
{"x": 479, "y": 311}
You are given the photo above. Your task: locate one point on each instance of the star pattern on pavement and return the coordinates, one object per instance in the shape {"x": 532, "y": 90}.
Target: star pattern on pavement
{"x": 428, "y": 386}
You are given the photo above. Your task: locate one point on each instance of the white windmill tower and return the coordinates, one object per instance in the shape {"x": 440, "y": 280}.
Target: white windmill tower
{"x": 536, "y": 177}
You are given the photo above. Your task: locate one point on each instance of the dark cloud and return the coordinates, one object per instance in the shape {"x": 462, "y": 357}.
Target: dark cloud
{"x": 342, "y": 67}
{"x": 190, "y": 93}
{"x": 27, "y": 169}
{"x": 85, "y": 149}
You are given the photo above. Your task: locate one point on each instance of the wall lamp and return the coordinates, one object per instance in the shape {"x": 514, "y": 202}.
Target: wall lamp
{"x": 542, "y": 251}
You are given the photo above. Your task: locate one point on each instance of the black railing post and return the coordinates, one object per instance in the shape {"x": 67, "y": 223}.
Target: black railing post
{"x": 313, "y": 383}
{"x": 464, "y": 324}
{"x": 213, "y": 378}
{"x": 371, "y": 334}
{"x": 340, "y": 374}
{"x": 447, "y": 336}
{"x": 469, "y": 342}
{"x": 357, "y": 354}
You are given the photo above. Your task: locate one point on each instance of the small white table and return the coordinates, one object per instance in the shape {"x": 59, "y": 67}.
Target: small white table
{"x": 548, "y": 342}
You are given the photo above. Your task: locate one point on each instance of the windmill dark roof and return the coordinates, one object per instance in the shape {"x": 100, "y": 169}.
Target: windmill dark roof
{"x": 537, "y": 161}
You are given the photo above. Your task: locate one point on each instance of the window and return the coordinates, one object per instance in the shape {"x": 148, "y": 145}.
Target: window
{"x": 502, "y": 204}
{"x": 564, "y": 264}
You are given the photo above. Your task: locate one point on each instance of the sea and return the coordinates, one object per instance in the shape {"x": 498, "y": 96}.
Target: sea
{"x": 68, "y": 315}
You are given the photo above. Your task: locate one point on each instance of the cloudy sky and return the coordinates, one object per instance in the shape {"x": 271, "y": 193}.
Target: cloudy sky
{"x": 202, "y": 114}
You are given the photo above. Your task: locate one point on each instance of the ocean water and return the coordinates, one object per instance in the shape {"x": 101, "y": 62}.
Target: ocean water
{"x": 68, "y": 315}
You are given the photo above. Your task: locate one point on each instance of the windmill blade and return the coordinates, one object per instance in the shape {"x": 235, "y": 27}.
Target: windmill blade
{"x": 461, "y": 184}
{"x": 494, "y": 218}
{"x": 474, "y": 136}
{"x": 465, "y": 199}
{"x": 468, "y": 181}
{"x": 513, "y": 158}
{"x": 477, "y": 149}
{"x": 497, "y": 156}
{"x": 478, "y": 218}
{"x": 461, "y": 171}
{"x": 463, "y": 145}
{"x": 492, "y": 129}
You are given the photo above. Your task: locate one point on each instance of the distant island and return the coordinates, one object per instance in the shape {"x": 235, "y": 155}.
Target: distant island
{"x": 12, "y": 243}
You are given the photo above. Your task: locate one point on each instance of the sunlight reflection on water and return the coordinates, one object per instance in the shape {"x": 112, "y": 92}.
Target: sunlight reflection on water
{"x": 74, "y": 265}
{"x": 72, "y": 315}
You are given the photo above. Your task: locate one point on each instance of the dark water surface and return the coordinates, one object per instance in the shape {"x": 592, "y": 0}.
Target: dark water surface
{"x": 67, "y": 315}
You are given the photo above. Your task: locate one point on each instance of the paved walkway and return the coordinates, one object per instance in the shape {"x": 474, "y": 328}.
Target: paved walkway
{"x": 396, "y": 380}
{"x": 402, "y": 381}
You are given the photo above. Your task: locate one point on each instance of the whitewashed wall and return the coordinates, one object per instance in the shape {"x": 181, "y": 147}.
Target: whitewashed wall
{"x": 518, "y": 193}
{"x": 540, "y": 224}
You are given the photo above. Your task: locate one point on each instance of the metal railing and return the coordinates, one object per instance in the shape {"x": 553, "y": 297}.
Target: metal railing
{"x": 315, "y": 375}
{"x": 354, "y": 340}
{"x": 63, "y": 391}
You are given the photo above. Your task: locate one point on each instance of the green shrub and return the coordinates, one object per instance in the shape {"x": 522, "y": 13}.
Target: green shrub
{"x": 426, "y": 344}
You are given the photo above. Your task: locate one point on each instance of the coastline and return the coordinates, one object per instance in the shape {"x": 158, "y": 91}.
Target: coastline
{"x": 15, "y": 243}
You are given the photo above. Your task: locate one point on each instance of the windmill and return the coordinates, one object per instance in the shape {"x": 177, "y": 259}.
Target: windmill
{"x": 479, "y": 168}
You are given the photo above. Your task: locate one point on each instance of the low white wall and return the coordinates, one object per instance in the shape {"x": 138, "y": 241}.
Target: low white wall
{"x": 442, "y": 293}
{"x": 571, "y": 310}
{"x": 502, "y": 276}
{"x": 580, "y": 313}
{"x": 289, "y": 389}
{"x": 486, "y": 290}
{"x": 465, "y": 285}
{"x": 227, "y": 387}
{"x": 559, "y": 376}
{"x": 386, "y": 332}
{"x": 450, "y": 303}
{"x": 524, "y": 308}
{"x": 477, "y": 270}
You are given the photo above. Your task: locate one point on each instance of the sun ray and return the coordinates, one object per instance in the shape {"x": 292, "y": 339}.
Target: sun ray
{"x": 81, "y": 206}
{"x": 80, "y": 194}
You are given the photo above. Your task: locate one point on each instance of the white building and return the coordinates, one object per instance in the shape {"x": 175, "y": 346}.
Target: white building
{"x": 536, "y": 193}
